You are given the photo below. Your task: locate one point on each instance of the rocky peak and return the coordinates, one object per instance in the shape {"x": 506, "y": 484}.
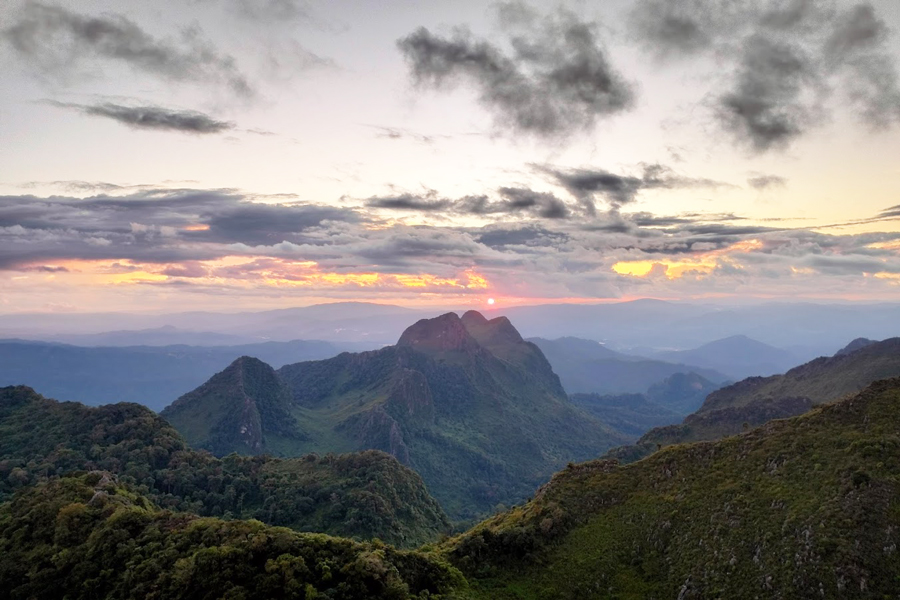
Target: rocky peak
{"x": 445, "y": 333}
{"x": 495, "y": 332}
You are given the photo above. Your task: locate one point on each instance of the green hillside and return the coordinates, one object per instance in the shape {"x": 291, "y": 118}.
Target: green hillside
{"x": 757, "y": 400}
{"x": 89, "y": 537}
{"x": 236, "y": 410}
{"x": 466, "y": 402}
{"x": 362, "y": 495}
{"x": 806, "y": 507}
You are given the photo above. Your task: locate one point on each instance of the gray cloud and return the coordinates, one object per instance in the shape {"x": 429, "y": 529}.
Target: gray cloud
{"x": 791, "y": 61}
{"x": 586, "y": 184}
{"x": 764, "y": 182}
{"x": 55, "y": 39}
{"x": 152, "y": 117}
{"x": 764, "y": 107}
{"x": 556, "y": 82}
{"x": 410, "y": 202}
{"x": 513, "y": 202}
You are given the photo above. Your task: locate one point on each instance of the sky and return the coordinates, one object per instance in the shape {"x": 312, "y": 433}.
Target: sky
{"x": 243, "y": 154}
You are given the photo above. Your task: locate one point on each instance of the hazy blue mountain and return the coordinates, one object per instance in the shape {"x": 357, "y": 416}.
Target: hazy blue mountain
{"x": 631, "y": 414}
{"x": 585, "y": 366}
{"x": 737, "y": 356}
{"x": 151, "y": 376}
{"x": 665, "y": 403}
{"x": 814, "y": 329}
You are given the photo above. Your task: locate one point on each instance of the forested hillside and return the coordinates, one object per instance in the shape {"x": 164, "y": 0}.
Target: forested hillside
{"x": 362, "y": 495}
{"x": 466, "y": 402}
{"x": 89, "y": 537}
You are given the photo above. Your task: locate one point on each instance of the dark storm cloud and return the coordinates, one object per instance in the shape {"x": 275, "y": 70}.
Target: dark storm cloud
{"x": 587, "y": 184}
{"x": 792, "y": 61}
{"x": 53, "y": 39}
{"x": 764, "y": 182}
{"x": 556, "y": 81}
{"x": 152, "y": 117}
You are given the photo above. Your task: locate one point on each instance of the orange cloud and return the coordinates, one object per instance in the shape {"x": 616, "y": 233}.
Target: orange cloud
{"x": 702, "y": 264}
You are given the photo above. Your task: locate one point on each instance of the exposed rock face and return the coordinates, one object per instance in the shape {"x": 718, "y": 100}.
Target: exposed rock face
{"x": 441, "y": 334}
{"x": 496, "y": 332}
{"x": 235, "y": 410}
{"x": 411, "y": 396}
{"x": 378, "y": 430}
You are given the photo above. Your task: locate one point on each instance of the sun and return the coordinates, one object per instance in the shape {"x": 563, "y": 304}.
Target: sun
{"x": 490, "y": 300}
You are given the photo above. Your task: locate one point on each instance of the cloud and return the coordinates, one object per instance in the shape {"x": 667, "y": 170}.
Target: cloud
{"x": 152, "y": 117}
{"x": 410, "y": 202}
{"x": 54, "y": 39}
{"x": 764, "y": 182}
{"x": 787, "y": 64}
{"x": 513, "y": 201}
{"x": 618, "y": 190}
{"x": 555, "y": 82}
{"x": 219, "y": 241}
{"x": 764, "y": 108}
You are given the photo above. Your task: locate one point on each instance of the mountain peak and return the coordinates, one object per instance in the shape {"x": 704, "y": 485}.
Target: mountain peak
{"x": 235, "y": 409}
{"x": 495, "y": 332}
{"x": 854, "y": 346}
{"x": 440, "y": 334}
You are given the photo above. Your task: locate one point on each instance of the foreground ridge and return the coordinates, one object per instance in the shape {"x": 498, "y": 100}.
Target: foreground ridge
{"x": 798, "y": 508}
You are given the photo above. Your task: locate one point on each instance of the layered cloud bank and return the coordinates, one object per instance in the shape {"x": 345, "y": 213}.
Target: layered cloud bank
{"x": 176, "y": 242}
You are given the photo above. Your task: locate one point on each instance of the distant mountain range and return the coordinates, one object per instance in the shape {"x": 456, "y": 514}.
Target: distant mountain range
{"x": 737, "y": 357}
{"x": 468, "y": 403}
{"x": 151, "y": 376}
{"x": 586, "y": 366}
{"x": 805, "y": 329}
{"x": 757, "y": 400}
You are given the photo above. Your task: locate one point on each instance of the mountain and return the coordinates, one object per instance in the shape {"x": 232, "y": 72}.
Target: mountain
{"x": 737, "y": 356}
{"x": 466, "y": 402}
{"x": 236, "y": 410}
{"x": 665, "y": 403}
{"x": 631, "y": 414}
{"x": 92, "y": 536}
{"x": 798, "y": 508}
{"x": 339, "y": 322}
{"x": 854, "y": 346}
{"x": 756, "y": 400}
{"x": 682, "y": 392}
{"x": 585, "y": 366}
{"x": 660, "y": 324}
{"x": 361, "y": 495}
{"x": 151, "y": 376}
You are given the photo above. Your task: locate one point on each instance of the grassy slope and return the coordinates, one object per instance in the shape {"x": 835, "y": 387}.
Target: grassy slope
{"x": 799, "y": 508}
{"x": 757, "y": 400}
{"x": 356, "y": 495}
{"x": 820, "y": 380}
